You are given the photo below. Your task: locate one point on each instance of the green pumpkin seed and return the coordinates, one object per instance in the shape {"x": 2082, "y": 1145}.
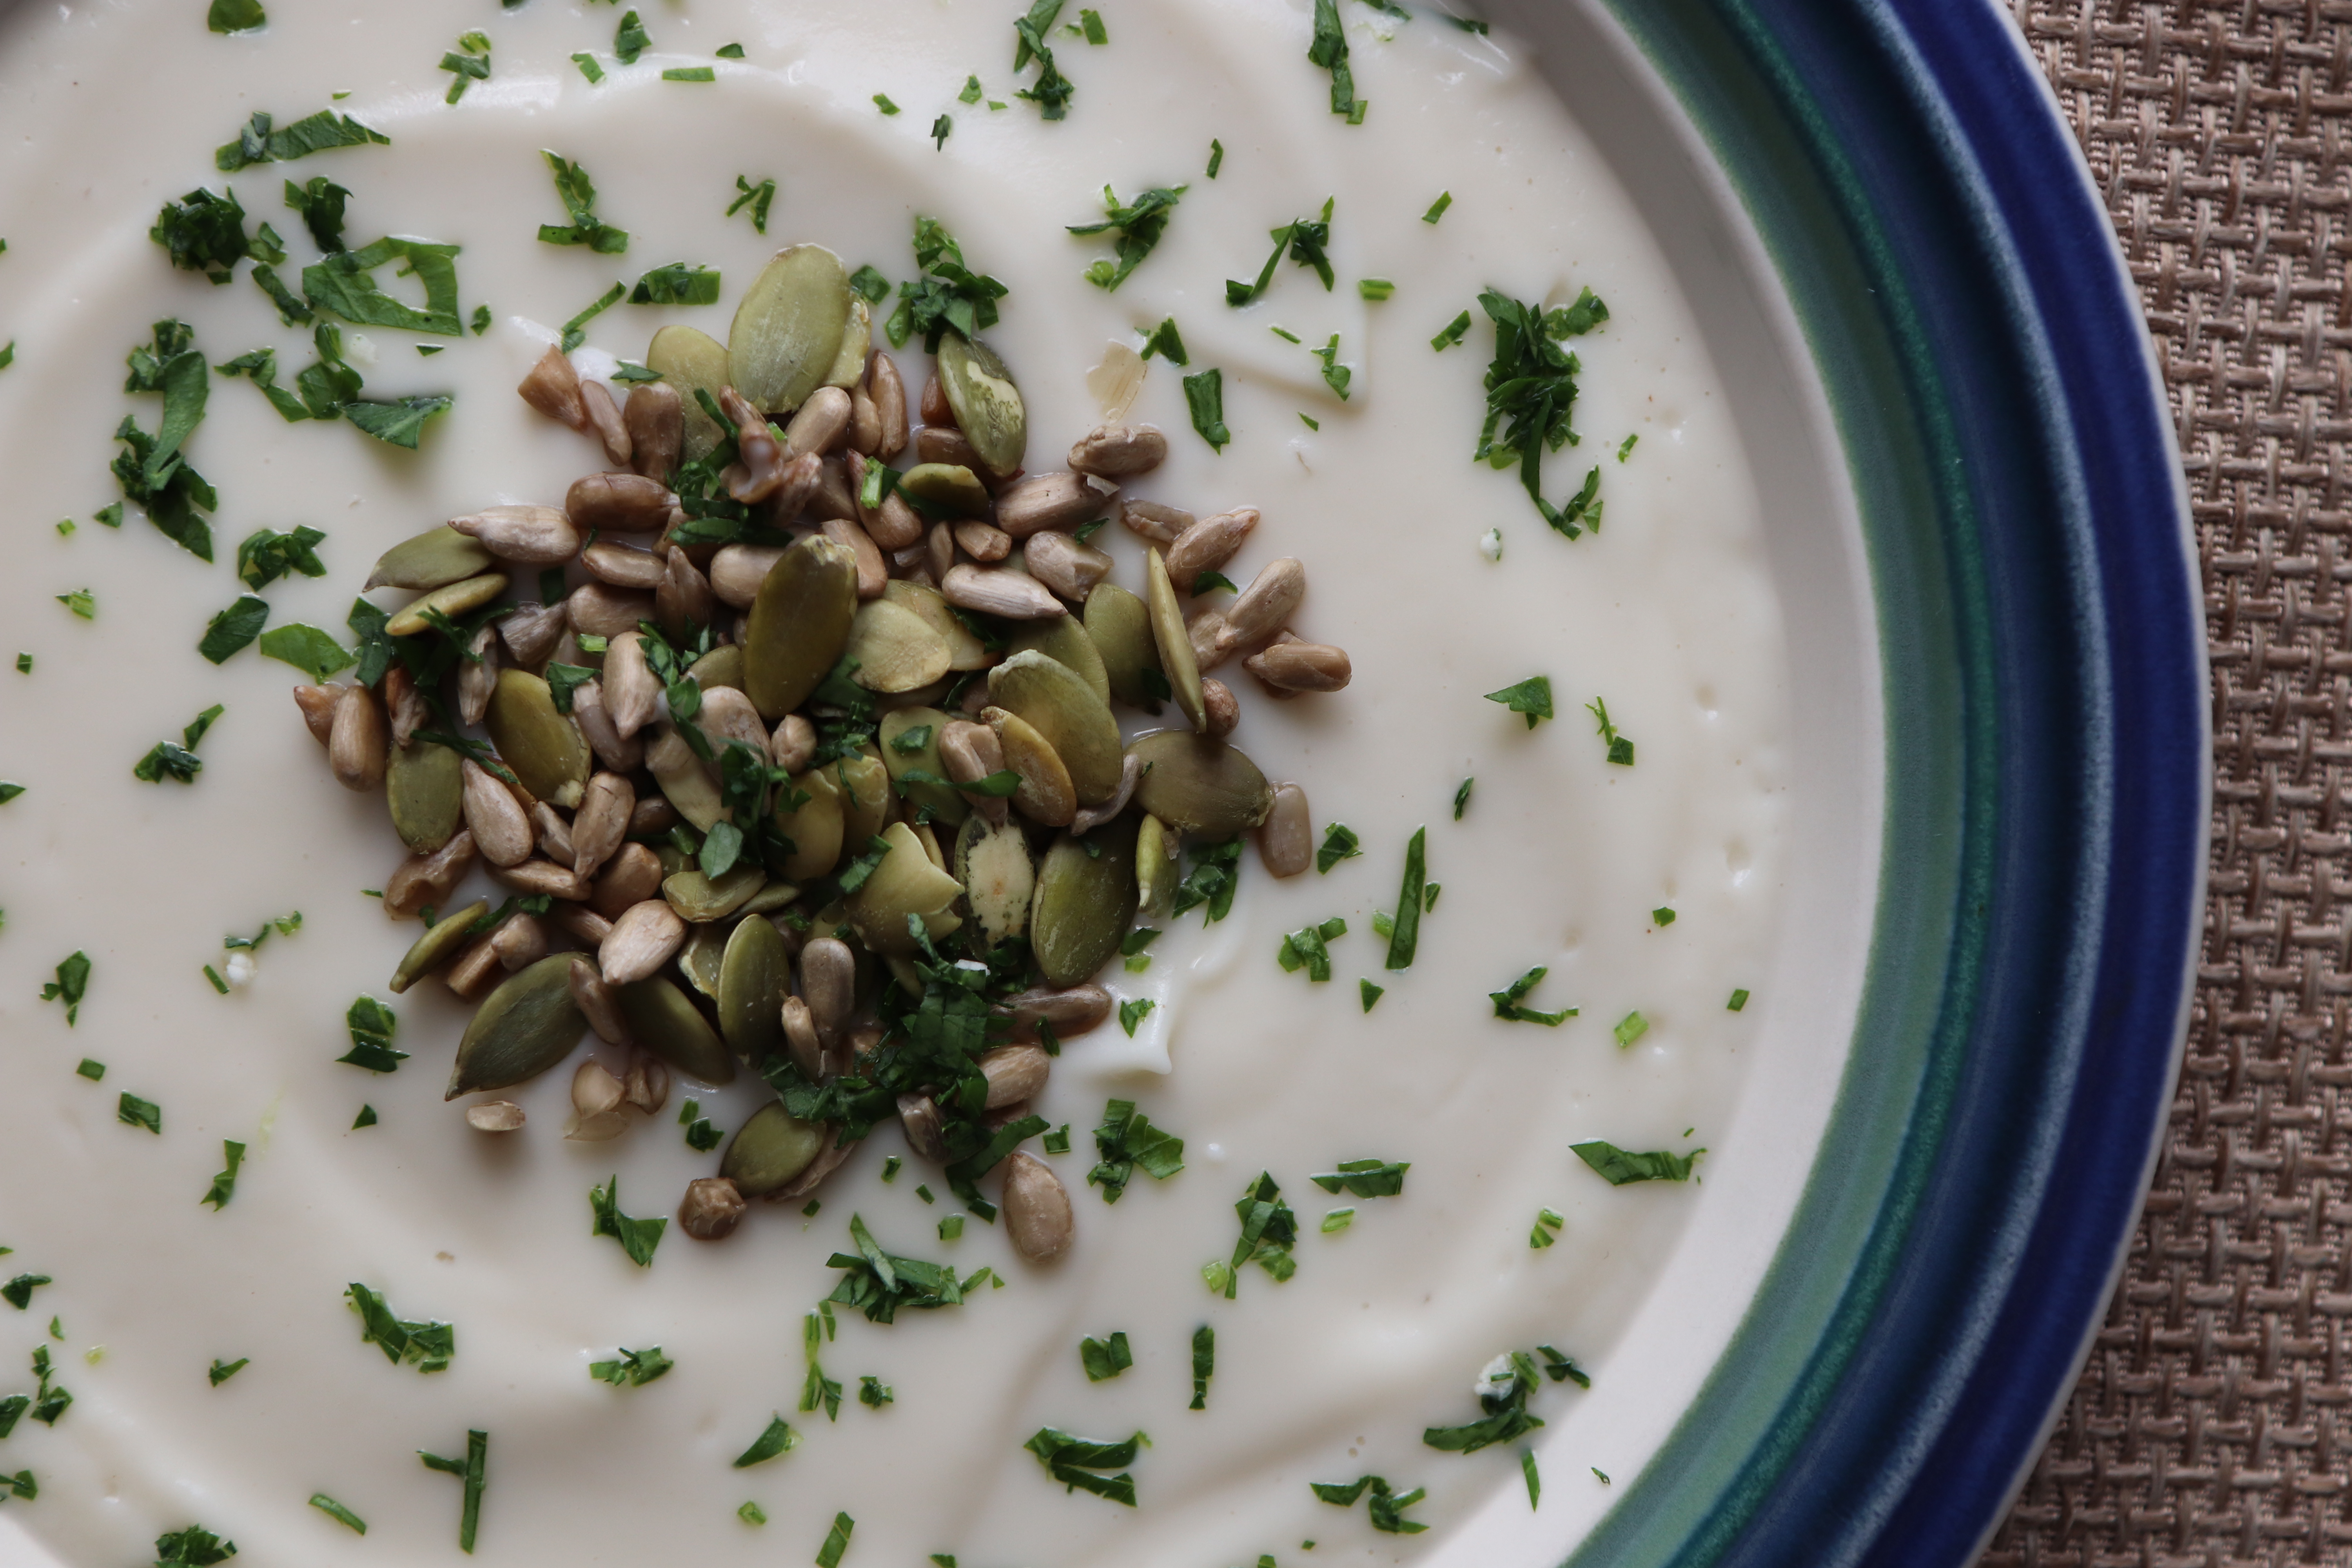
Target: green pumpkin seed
{"x": 424, "y": 785}
{"x": 700, "y": 899}
{"x": 1155, "y": 868}
{"x": 1084, "y": 901}
{"x": 813, "y": 826}
{"x": 691, "y": 360}
{"x": 1064, "y": 709}
{"x": 905, "y": 883}
{"x": 1065, "y": 641}
{"x": 768, "y": 898}
{"x": 541, "y": 746}
{"x": 720, "y": 667}
{"x": 1195, "y": 785}
{"x": 866, "y": 798}
{"x": 993, "y": 865}
{"x": 770, "y": 1151}
{"x": 434, "y": 559}
{"x": 1045, "y": 794}
{"x": 857, "y": 344}
{"x": 528, "y": 1024}
{"x": 799, "y": 625}
{"x": 1175, "y": 644}
{"x": 674, "y": 861}
{"x": 452, "y": 600}
{"x": 789, "y": 328}
{"x": 987, "y": 405}
{"x": 895, "y": 649}
{"x": 951, "y": 487}
{"x": 699, "y": 959}
{"x": 437, "y": 946}
{"x": 667, "y": 1022}
{"x": 965, "y": 651}
{"x": 946, "y": 803}
{"x": 1119, "y": 626}
{"x": 754, "y": 978}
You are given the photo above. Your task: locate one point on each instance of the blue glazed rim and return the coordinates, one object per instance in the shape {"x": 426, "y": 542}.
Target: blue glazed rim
{"x": 2032, "y": 564}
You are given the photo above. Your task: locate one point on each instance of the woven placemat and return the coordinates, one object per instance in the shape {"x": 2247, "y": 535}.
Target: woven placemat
{"x": 2214, "y": 1425}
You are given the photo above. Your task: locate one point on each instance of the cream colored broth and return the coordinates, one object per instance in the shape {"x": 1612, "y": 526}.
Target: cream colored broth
{"x": 1666, "y": 612}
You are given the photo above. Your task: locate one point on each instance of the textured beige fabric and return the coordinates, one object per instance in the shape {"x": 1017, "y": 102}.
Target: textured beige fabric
{"x": 2214, "y": 1425}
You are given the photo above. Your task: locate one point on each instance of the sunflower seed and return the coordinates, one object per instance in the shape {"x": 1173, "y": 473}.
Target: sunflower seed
{"x": 632, "y": 693}
{"x": 579, "y": 923}
{"x": 946, "y": 444}
{"x": 919, "y": 1115}
{"x": 1205, "y": 634}
{"x": 1119, "y": 451}
{"x": 1068, "y": 1010}
{"x": 535, "y": 877}
{"x": 934, "y": 405}
{"x": 713, "y": 1206}
{"x": 1048, "y": 501}
{"x": 532, "y": 632}
{"x": 495, "y": 1115}
{"x": 404, "y": 704}
{"x": 1261, "y": 609}
{"x": 1161, "y": 525}
{"x": 552, "y": 387}
{"x": 1129, "y": 773}
{"x": 600, "y": 822}
{"x": 357, "y": 744}
{"x": 622, "y": 566}
{"x": 618, "y": 503}
{"x": 501, "y": 829}
{"x": 1209, "y": 545}
{"x": 648, "y": 1082}
{"x": 969, "y": 753}
{"x": 423, "y": 880}
{"x": 829, "y": 983}
{"x": 1014, "y": 1073}
{"x": 801, "y": 1037}
{"x": 622, "y": 753}
{"x": 865, "y": 436}
{"x": 531, "y": 535}
{"x": 553, "y": 833}
{"x": 737, "y": 570}
{"x": 596, "y": 1001}
{"x": 655, "y": 421}
{"x": 684, "y": 779}
{"x": 889, "y": 395}
{"x": 318, "y": 705}
{"x": 601, "y": 1128}
{"x": 794, "y": 744}
{"x": 999, "y": 592}
{"x": 1065, "y": 565}
{"x": 1037, "y": 1209}
{"x": 645, "y": 936}
{"x": 983, "y": 541}
{"x": 873, "y": 571}
{"x": 820, "y": 425}
{"x": 1219, "y": 709}
{"x": 728, "y": 715}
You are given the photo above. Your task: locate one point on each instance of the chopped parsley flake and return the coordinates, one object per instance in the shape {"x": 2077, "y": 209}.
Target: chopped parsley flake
{"x": 729, "y": 51}
{"x": 474, "y": 1470}
{"x": 1140, "y": 223}
{"x": 759, "y": 198}
{"x": 779, "y": 1438}
{"x": 634, "y": 1369}
{"x": 678, "y": 283}
{"x": 19, "y": 1292}
{"x": 1105, "y": 1359}
{"x": 941, "y": 129}
{"x": 1541, "y": 1235}
{"x": 1405, "y": 934}
{"x": 1133, "y": 1012}
{"x": 366, "y": 1118}
{"x": 1052, "y": 91}
{"x": 1531, "y": 696}
{"x": 1365, "y": 1178}
{"x": 1563, "y": 1368}
{"x": 1531, "y": 395}
{"x": 1205, "y": 1364}
{"x": 630, "y": 39}
{"x": 223, "y": 1371}
{"x": 1386, "y": 1507}
{"x": 1076, "y": 1461}
{"x": 1503, "y": 1390}
{"x": 469, "y": 63}
{"x": 266, "y": 556}
{"x": 1437, "y": 210}
{"x": 92, "y": 1071}
{"x": 949, "y": 295}
{"x": 180, "y": 762}
{"x": 338, "y": 1512}
{"x": 371, "y": 1025}
{"x": 1205, "y": 396}
{"x": 70, "y": 986}
{"x": 1506, "y": 1002}
{"x": 751, "y": 1513}
{"x": 1462, "y": 799}
{"x": 1535, "y": 1482}
{"x": 1630, "y": 1028}
{"x": 428, "y": 1346}
{"x": 1738, "y": 1000}
{"x": 882, "y": 102}
{"x": 589, "y": 67}
{"x": 1662, "y": 915}
{"x": 1370, "y": 992}
{"x": 1626, "y": 449}
{"x": 204, "y": 233}
{"x": 196, "y": 1547}
{"x": 1091, "y": 24}
{"x": 259, "y": 143}
{"x": 638, "y": 1237}
{"x": 308, "y": 649}
{"x": 224, "y": 1185}
{"x": 878, "y": 1284}
{"x": 971, "y": 93}
{"x": 1165, "y": 339}
{"x": 1268, "y": 1230}
{"x": 1303, "y": 239}
{"x": 343, "y": 285}
{"x": 579, "y": 194}
{"x": 1216, "y": 156}
{"x": 836, "y": 1542}
{"x": 1619, "y": 1166}
{"x": 1127, "y": 1141}
{"x": 1621, "y": 750}
{"x": 233, "y": 17}
{"x": 1328, "y": 50}
{"x": 1304, "y": 949}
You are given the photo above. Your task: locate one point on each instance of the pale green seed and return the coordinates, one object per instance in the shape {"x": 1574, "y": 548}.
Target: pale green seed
{"x": 1084, "y": 901}
{"x": 542, "y": 747}
{"x": 437, "y": 946}
{"x": 1061, "y": 706}
{"x": 668, "y": 1023}
{"x": 799, "y": 625}
{"x": 788, "y": 330}
{"x": 434, "y": 559}
{"x": 528, "y": 1024}
{"x": 425, "y": 786}
{"x": 754, "y": 978}
{"x": 987, "y": 405}
{"x": 770, "y": 1151}
{"x": 452, "y": 600}
{"x": 1195, "y": 785}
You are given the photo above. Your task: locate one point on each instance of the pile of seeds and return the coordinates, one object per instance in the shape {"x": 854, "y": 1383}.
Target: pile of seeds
{"x": 830, "y": 780}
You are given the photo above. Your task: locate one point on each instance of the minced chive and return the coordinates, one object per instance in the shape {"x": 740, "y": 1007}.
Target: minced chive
{"x": 1626, "y": 450}
{"x": 589, "y": 67}
{"x": 924, "y": 1192}
{"x": 1103, "y": 1360}
{"x": 729, "y": 51}
{"x": 338, "y": 1512}
{"x": 836, "y": 1542}
{"x": 1528, "y": 1468}
{"x": 952, "y": 1227}
{"x": 941, "y": 128}
{"x": 133, "y": 1111}
{"x": 1205, "y": 396}
{"x": 1738, "y": 1000}
{"x": 882, "y": 102}
{"x": 223, "y": 1371}
{"x": 1437, "y": 210}
{"x": 1375, "y": 289}
{"x": 1091, "y": 25}
{"x": 971, "y": 93}
{"x": 1057, "y": 1141}
{"x": 1630, "y": 1028}
{"x": 1339, "y": 843}
{"x": 1309, "y": 420}
{"x": 218, "y": 984}
{"x": 1205, "y": 1364}
{"x": 751, "y": 1513}
{"x": 891, "y": 1168}
{"x": 1462, "y": 799}
{"x": 778, "y": 1438}
{"x": 1662, "y": 916}
{"x": 82, "y": 601}
{"x": 24, "y": 663}
{"x": 1338, "y": 1220}
{"x": 1370, "y": 992}
{"x": 1404, "y": 934}
{"x": 690, "y": 73}
{"x": 474, "y": 1470}
{"x": 1451, "y": 334}
{"x": 94, "y": 1071}
{"x": 224, "y": 1185}
{"x": 1133, "y": 1012}
{"x": 1216, "y": 156}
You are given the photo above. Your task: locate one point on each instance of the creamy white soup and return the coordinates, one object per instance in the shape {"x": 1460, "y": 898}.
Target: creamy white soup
{"x": 1649, "y": 886}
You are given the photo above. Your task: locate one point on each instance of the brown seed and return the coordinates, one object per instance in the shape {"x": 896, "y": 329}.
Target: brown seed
{"x": 632, "y": 693}
{"x": 895, "y": 524}
{"x": 357, "y": 744}
{"x": 604, "y": 419}
{"x": 602, "y": 821}
{"x": 423, "y": 880}
{"x": 530, "y": 633}
{"x": 1065, "y": 565}
{"x": 1037, "y": 1209}
{"x": 495, "y": 1115}
{"x": 618, "y": 503}
{"x": 632, "y": 876}
{"x": 594, "y": 1089}
{"x": 600, "y": 610}
{"x": 1209, "y": 545}
{"x": 648, "y": 1082}
{"x": 520, "y": 942}
{"x": 1261, "y": 608}
{"x": 1224, "y": 712}
{"x": 1014, "y": 1073}
{"x": 645, "y": 936}
{"x": 1207, "y": 633}
{"x": 596, "y": 999}
{"x": 919, "y": 1115}
{"x": 654, "y": 815}
{"x": 712, "y": 1208}
{"x": 794, "y": 744}
{"x": 318, "y": 705}
{"x": 601, "y": 1128}
{"x": 532, "y": 535}
{"x": 478, "y": 678}
{"x": 554, "y": 833}
{"x": 475, "y": 971}
{"x": 728, "y": 715}
{"x": 736, "y": 572}
{"x": 801, "y": 1037}
{"x": 935, "y": 409}
{"x": 622, "y": 753}
{"x": 552, "y": 387}
{"x": 819, "y": 426}
{"x": 982, "y": 542}
{"x": 579, "y": 923}
{"x": 1070, "y": 1011}
{"x": 1000, "y": 592}
{"x": 1119, "y": 451}
{"x": 865, "y": 422}
{"x": 1130, "y": 770}
{"x": 890, "y": 394}
{"x": 622, "y": 566}
{"x": 946, "y": 444}
{"x": 969, "y": 752}
{"x": 655, "y": 417}
{"x": 871, "y": 571}
{"x": 402, "y": 701}
{"x": 828, "y": 984}
{"x": 1285, "y": 840}
{"x": 1048, "y": 501}
{"x": 832, "y": 497}
{"x": 1162, "y": 525}
{"x": 939, "y": 550}
{"x": 500, "y": 828}
{"x": 533, "y": 878}
{"x": 684, "y": 600}
{"x": 1301, "y": 667}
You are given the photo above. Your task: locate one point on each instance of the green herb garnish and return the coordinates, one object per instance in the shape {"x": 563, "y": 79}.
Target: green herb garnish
{"x": 1404, "y": 931}
{"x": 1328, "y": 50}
{"x": 948, "y": 295}
{"x": 778, "y": 1438}
{"x": 1302, "y": 238}
{"x": 474, "y": 1470}
{"x": 630, "y": 40}
{"x": 1127, "y": 1141}
{"x": 1738, "y": 1000}
{"x": 759, "y": 198}
{"x": 1506, "y": 1002}
{"x": 638, "y": 1237}
{"x": 678, "y": 283}
{"x": 1105, "y": 1359}
{"x": 1630, "y": 1028}
{"x": 1268, "y": 1230}
{"x": 1619, "y": 1166}
{"x": 1451, "y": 333}
{"x": 1076, "y": 1461}
{"x": 632, "y": 1368}
{"x": 1165, "y": 339}
{"x": 224, "y": 1185}
{"x": 257, "y": 142}
{"x": 1052, "y": 91}
{"x": 1365, "y": 1178}
{"x": 1386, "y": 1507}
{"x": 1205, "y": 1364}
{"x": 1205, "y": 396}
{"x": 579, "y": 194}
{"x": 371, "y": 1025}
{"x": 70, "y": 986}
{"x": 180, "y": 762}
{"x": 1140, "y": 223}
{"x": 338, "y": 1512}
